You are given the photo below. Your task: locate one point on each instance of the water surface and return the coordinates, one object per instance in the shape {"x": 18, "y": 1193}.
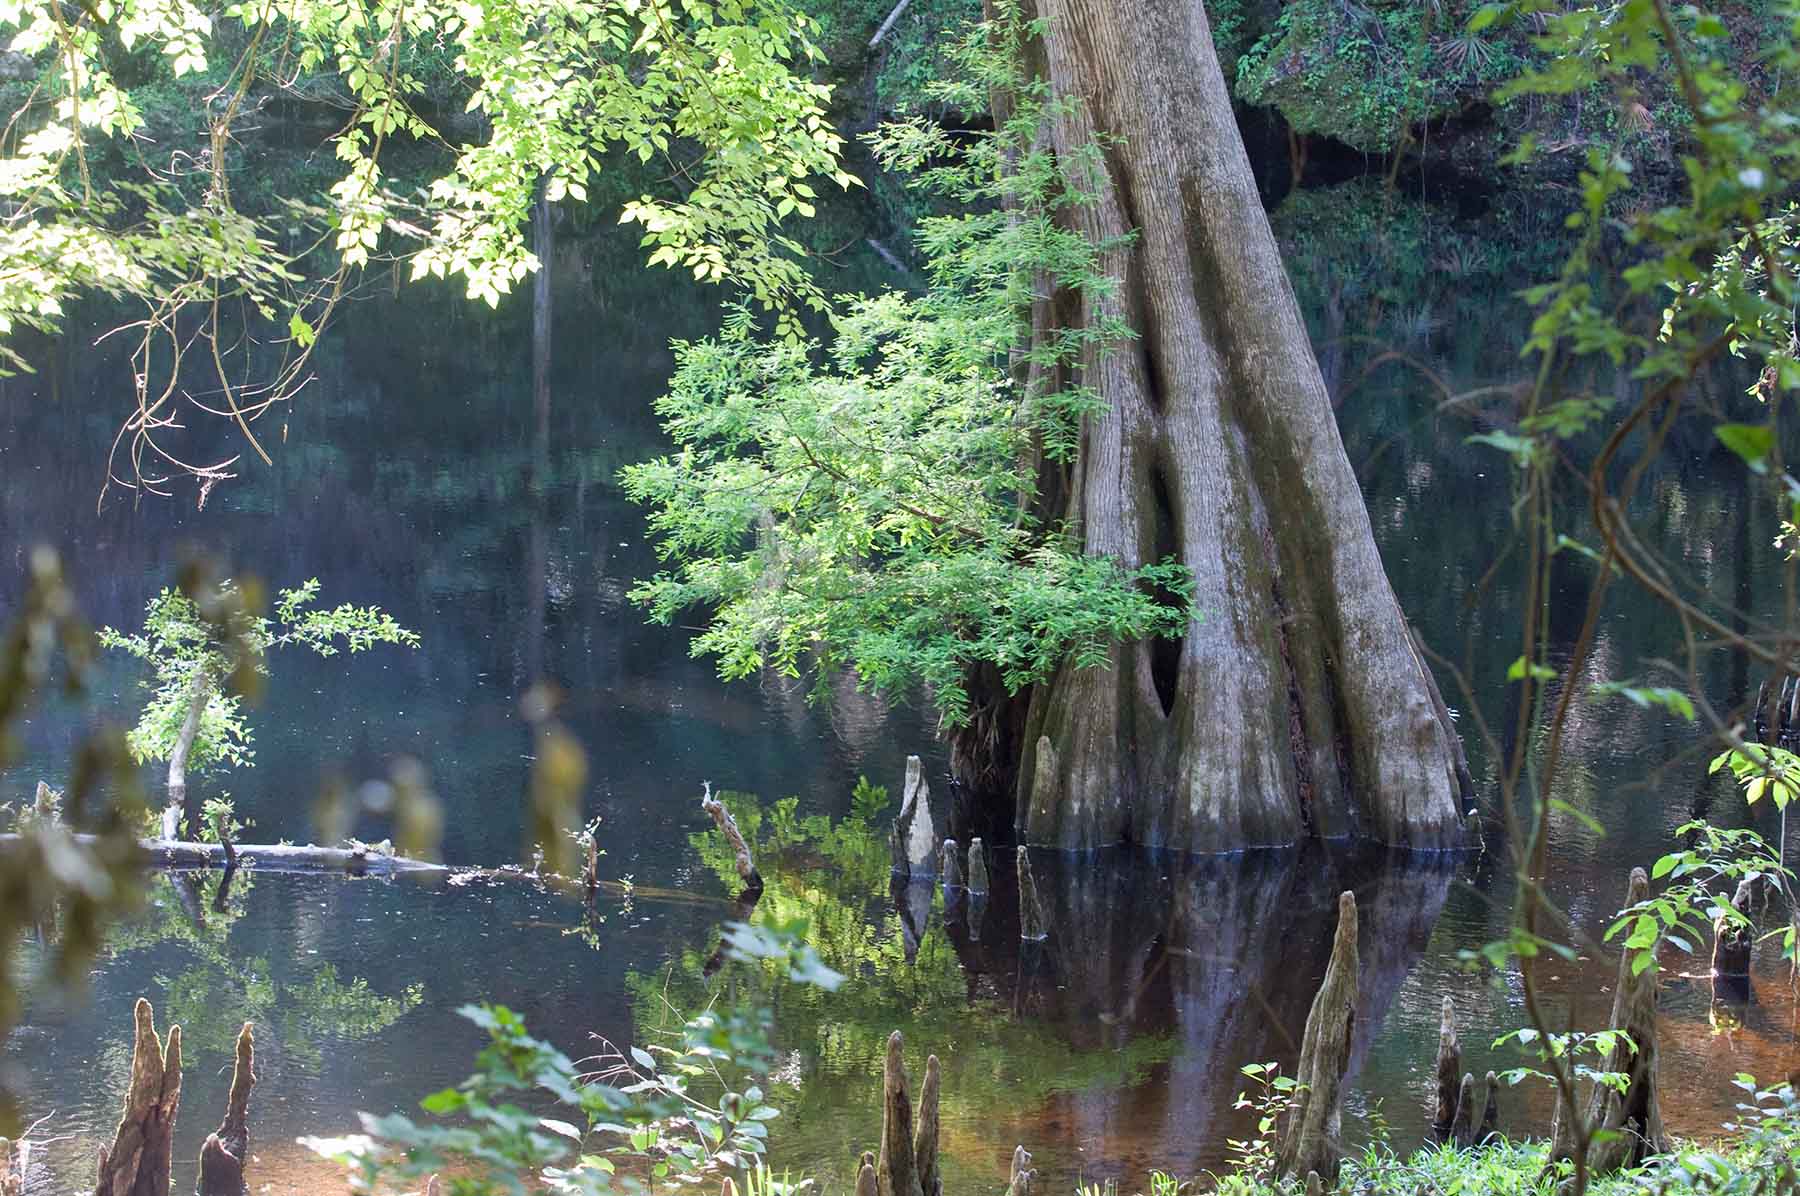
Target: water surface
{"x": 413, "y": 475}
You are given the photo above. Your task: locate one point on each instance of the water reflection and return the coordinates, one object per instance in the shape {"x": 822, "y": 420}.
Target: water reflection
{"x": 432, "y": 471}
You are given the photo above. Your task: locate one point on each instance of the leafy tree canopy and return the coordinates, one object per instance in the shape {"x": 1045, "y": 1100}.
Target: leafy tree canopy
{"x": 716, "y": 88}
{"x": 870, "y": 502}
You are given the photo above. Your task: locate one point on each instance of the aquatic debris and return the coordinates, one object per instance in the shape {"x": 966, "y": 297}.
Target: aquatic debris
{"x": 728, "y": 827}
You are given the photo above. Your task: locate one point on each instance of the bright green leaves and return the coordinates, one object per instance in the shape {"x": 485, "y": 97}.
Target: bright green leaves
{"x": 693, "y": 1109}
{"x": 1762, "y": 771}
{"x": 720, "y": 92}
{"x": 1752, "y": 442}
{"x": 1648, "y": 697}
{"x": 211, "y": 652}
{"x": 865, "y": 503}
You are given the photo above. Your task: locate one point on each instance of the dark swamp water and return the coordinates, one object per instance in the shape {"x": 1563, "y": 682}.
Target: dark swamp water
{"x": 405, "y": 480}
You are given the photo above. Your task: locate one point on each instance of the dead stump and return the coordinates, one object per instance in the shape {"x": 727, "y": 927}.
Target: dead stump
{"x": 978, "y": 869}
{"x": 1032, "y": 925}
{"x": 1632, "y": 1119}
{"x": 1732, "y": 939}
{"x": 1309, "y": 1137}
{"x": 222, "y": 1158}
{"x": 1449, "y": 1066}
{"x": 896, "y": 1171}
{"x": 918, "y": 828}
{"x": 142, "y": 1150}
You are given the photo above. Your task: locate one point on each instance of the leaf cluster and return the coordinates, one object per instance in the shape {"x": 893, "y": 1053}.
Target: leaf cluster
{"x": 868, "y": 502}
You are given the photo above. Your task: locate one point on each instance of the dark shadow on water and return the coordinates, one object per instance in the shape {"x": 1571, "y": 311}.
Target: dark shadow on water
{"x": 1219, "y": 957}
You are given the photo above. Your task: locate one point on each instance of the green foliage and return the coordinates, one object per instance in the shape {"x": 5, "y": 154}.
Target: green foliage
{"x": 1761, "y": 1154}
{"x": 693, "y": 1110}
{"x": 217, "y": 812}
{"x": 719, "y": 94}
{"x": 1701, "y": 877}
{"x": 867, "y": 504}
{"x": 1364, "y": 73}
{"x": 1762, "y": 771}
{"x": 47, "y": 875}
{"x": 1253, "y": 1159}
{"x": 198, "y": 650}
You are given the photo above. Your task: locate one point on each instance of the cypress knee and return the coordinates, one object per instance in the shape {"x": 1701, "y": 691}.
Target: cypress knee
{"x": 1732, "y": 939}
{"x": 1309, "y": 1138}
{"x": 895, "y": 1174}
{"x": 1462, "y": 1128}
{"x": 138, "y": 1162}
{"x": 925, "y": 1135}
{"x": 222, "y": 1158}
{"x": 1031, "y": 909}
{"x": 1449, "y": 1065}
{"x": 1490, "y": 1112}
{"x": 1633, "y": 1118}
{"x": 1023, "y": 1175}
{"x": 978, "y": 869}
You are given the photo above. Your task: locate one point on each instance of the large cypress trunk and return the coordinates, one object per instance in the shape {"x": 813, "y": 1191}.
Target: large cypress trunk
{"x": 1296, "y": 704}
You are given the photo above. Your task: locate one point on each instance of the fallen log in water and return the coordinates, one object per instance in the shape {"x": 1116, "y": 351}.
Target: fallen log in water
{"x": 176, "y": 855}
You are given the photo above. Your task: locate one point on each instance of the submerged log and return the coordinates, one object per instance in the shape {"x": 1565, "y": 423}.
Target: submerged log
{"x": 1462, "y": 1126}
{"x": 1632, "y": 1119}
{"x": 978, "y": 869}
{"x": 1032, "y": 926}
{"x": 222, "y": 1158}
{"x": 918, "y": 828}
{"x": 728, "y": 827}
{"x": 138, "y": 1162}
{"x": 895, "y": 1173}
{"x": 1308, "y": 1139}
{"x": 1449, "y": 1066}
{"x": 1489, "y": 1129}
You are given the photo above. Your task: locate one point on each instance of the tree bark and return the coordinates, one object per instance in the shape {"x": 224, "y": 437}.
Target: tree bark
{"x": 142, "y": 1149}
{"x": 198, "y": 696}
{"x": 1295, "y": 704}
{"x": 227, "y": 1148}
{"x": 1309, "y": 1139}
